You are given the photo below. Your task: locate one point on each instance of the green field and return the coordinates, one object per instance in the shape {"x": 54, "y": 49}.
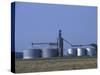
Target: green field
{"x": 55, "y": 64}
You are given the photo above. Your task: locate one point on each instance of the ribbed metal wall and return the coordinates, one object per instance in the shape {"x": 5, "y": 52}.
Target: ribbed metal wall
{"x": 32, "y": 53}
{"x": 49, "y": 52}
{"x": 81, "y": 52}
{"x": 91, "y": 51}
{"x": 72, "y": 51}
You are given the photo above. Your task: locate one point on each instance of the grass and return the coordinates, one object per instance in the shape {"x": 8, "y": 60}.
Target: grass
{"x": 55, "y": 64}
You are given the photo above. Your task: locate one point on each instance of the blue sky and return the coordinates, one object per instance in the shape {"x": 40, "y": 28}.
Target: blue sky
{"x": 36, "y": 22}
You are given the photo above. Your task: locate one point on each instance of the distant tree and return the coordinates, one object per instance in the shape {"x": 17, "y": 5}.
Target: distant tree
{"x": 94, "y": 45}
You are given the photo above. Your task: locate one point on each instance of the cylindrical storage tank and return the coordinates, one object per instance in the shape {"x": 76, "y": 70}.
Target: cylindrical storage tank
{"x": 49, "y": 52}
{"x": 72, "y": 51}
{"x": 32, "y": 53}
{"x": 81, "y": 52}
{"x": 66, "y": 53}
{"x": 91, "y": 51}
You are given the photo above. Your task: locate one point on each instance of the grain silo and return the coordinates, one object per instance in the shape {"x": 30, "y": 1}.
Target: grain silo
{"x": 49, "y": 52}
{"x": 91, "y": 51}
{"x": 72, "y": 51}
{"x": 81, "y": 52}
{"x": 32, "y": 53}
{"x": 66, "y": 52}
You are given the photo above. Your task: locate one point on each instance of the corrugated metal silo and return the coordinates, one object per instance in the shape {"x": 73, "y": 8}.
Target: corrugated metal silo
{"x": 32, "y": 53}
{"x": 91, "y": 51}
{"x": 72, "y": 51}
{"x": 49, "y": 52}
{"x": 66, "y": 53}
{"x": 81, "y": 52}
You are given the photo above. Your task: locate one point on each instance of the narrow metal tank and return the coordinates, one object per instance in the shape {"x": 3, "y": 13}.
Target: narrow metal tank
{"x": 81, "y": 52}
{"x": 91, "y": 51}
{"x": 32, "y": 53}
{"x": 72, "y": 51}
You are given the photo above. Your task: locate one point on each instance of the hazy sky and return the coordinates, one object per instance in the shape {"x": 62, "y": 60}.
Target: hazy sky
{"x": 40, "y": 23}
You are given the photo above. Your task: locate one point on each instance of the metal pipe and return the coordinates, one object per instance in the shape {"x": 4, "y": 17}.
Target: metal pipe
{"x": 44, "y": 43}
